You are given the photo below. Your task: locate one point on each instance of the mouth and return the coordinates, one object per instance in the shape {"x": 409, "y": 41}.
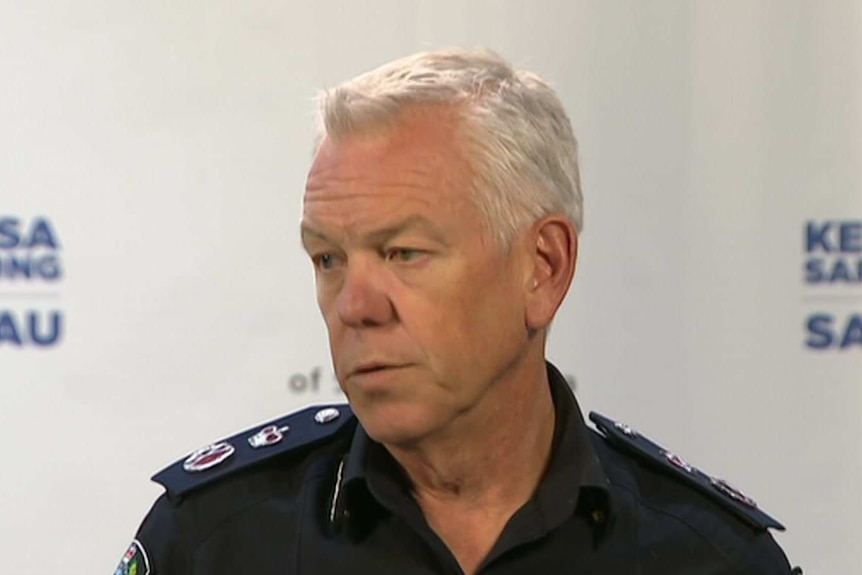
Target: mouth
{"x": 373, "y": 368}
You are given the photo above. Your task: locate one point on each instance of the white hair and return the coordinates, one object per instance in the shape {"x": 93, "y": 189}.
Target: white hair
{"x": 523, "y": 150}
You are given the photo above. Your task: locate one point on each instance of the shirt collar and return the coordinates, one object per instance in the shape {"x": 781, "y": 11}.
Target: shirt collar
{"x": 575, "y": 480}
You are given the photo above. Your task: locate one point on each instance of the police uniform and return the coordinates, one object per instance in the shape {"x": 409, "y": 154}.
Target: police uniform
{"x": 313, "y": 494}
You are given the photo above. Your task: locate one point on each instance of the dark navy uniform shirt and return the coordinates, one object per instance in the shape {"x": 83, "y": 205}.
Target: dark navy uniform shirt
{"x": 335, "y": 501}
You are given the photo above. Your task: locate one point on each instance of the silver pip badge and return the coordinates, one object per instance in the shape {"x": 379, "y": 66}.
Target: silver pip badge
{"x": 327, "y": 415}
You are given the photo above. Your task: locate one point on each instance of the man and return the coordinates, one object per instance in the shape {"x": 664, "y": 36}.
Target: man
{"x": 441, "y": 215}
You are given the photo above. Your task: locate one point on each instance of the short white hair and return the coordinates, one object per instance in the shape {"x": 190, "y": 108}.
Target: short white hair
{"x": 523, "y": 150}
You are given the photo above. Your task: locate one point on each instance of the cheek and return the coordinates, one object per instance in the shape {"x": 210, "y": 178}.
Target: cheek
{"x": 450, "y": 325}
{"x": 327, "y": 294}
{"x": 334, "y": 329}
{"x": 496, "y": 318}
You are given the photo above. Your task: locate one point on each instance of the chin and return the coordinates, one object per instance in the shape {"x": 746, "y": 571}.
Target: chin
{"x": 393, "y": 424}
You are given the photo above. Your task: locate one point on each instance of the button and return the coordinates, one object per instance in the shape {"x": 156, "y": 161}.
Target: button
{"x": 598, "y": 516}
{"x": 327, "y": 415}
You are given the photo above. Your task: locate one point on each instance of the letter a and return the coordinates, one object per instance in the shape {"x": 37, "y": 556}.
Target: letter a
{"x": 8, "y": 329}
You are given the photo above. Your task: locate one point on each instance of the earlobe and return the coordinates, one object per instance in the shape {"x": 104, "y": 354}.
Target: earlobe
{"x": 554, "y": 255}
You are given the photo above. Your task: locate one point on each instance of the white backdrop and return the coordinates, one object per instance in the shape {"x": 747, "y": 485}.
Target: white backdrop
{"x": 152, "y": 159}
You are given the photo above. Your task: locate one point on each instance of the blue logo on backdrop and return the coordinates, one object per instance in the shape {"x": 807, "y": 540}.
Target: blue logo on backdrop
{"x": 834, "y": 252}
{"x": 31, "y": 270}
{"x": 834, "y": 331}
{"x": 833, "y": 272}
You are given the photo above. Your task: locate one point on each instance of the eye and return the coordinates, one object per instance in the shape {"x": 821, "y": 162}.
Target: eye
{"x": 326, "y": 261}
{"x": 403, "y": 255}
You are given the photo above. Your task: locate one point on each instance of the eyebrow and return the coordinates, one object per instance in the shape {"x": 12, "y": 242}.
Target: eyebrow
{"x": 381, "y": 235}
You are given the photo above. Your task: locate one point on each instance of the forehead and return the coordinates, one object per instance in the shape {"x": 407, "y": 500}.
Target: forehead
{"x": 418, "y": 164}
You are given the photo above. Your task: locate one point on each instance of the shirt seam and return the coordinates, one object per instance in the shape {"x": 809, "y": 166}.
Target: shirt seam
{"x": 735, "y": 565}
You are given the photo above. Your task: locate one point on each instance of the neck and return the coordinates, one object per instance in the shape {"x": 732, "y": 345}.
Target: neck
{"x": 491, "y": 457}
{"x": 470, "y": 480}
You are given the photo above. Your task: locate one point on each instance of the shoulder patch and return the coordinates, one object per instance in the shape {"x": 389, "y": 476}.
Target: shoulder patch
{"x": 718, "y": 490}
{"x": 134, "y": 561}
{"x": 246, "y": 449}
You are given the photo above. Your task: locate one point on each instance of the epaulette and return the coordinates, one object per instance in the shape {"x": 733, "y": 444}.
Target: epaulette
{"x": 244, "y": 450}
{"x": 639, "y": 447}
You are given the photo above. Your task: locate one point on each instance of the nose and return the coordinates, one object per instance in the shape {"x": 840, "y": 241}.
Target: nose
{"x": 362, "y": 301}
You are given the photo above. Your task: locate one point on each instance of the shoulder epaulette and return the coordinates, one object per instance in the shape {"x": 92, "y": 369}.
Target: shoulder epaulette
{"x": 630, "y": 441}
{"x": 243, "y": 450}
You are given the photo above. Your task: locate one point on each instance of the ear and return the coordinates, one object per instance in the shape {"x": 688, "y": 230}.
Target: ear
{"x": 554, "y": 253}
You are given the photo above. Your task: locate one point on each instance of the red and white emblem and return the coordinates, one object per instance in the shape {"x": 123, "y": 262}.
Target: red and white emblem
{"x": 733, "y": 492}
{"x": 269, "y": 435}
{"x": 678, "y": 461}
{"x": 208, "y": 457}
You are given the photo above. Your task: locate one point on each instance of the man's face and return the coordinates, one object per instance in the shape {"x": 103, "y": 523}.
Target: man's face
{"x": 425, "y": 313}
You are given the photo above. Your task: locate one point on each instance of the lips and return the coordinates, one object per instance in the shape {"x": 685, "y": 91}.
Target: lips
{"x": 373, "y": 367}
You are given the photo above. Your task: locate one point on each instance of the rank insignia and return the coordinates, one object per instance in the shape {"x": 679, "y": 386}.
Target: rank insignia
{"x": 134, "y": 561}
{"x": 733, "y": 492}
{"x": 717, "y": 490}
{"x": 207, "y": 457}
{"x": 254, "y": 446}
{"x": 269, "y": 435}
{"x": 678, "y": 461}
{"x": 327, "y": 415}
